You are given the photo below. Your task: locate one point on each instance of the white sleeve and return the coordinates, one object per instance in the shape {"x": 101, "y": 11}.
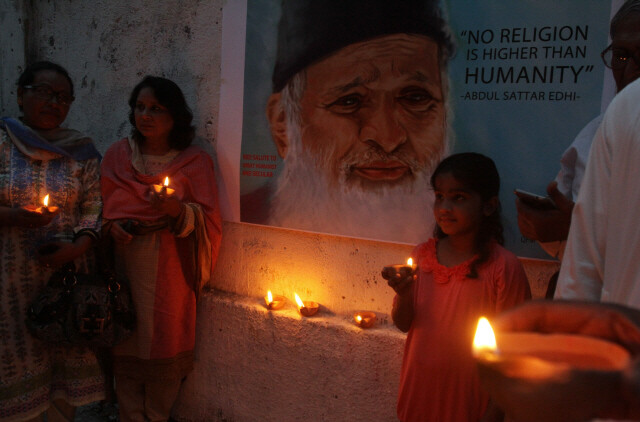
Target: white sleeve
{"x": 574, "y": 160}
{"x": 582, "y": 271}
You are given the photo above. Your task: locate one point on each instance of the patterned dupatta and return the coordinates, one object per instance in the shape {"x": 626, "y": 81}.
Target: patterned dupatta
{"x": 49, "y": 144}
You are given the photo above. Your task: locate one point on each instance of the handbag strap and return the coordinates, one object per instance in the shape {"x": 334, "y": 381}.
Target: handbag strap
{"x": 105, "y": 255}
{"x": 105, "y": 262}
{"x": 68, "y": 276}
{"x": 64, "y": 276}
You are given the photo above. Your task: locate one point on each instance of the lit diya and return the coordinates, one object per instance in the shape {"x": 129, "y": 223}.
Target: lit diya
{"x": 548, "y": 377}
{"x": 274, "y": 302}
{"x": 46, "y": 208}
{"x": 398, "y": 271}
{"x": 365, "y": 319}
{"x": 306, "y": 308}
{"x": 164, "y": 188}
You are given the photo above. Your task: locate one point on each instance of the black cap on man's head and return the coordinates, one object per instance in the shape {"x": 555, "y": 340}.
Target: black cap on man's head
{"x": 311, "y": 30}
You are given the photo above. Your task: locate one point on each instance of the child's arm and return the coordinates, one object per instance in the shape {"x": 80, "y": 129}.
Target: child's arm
{"x": 402, "y": 312}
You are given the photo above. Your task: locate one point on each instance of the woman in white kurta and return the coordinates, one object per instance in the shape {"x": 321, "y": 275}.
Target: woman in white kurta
{"x": 37, "y": 157}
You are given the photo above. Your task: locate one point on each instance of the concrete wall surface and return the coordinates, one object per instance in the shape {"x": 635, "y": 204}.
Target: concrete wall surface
{"x": 110, "y": 45}
{"x": 12, "y": 52}
{"x": 252, "y": 364}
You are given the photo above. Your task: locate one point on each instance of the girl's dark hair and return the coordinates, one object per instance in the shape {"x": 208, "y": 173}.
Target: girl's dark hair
{"x": 170, "y": 96}
{"x": 479, "y": 174}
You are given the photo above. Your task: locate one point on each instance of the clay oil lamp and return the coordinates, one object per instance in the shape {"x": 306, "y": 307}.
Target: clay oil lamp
{"x": 274, "y": 302}
{"x": 365, "y": 319}
{"x": 306, "y": 308}
{"x": 534, "y": 376}
{"x": 164, "y": 188}
{"x": 46, "y": 208}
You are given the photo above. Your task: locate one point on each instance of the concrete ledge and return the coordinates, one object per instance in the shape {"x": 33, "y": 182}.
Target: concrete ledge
{"x": 253, "y": 364}
{"x": 342, "y": 273}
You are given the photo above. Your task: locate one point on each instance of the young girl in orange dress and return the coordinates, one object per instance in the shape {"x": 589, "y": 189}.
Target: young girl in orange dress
{"x": 462, "y": 273}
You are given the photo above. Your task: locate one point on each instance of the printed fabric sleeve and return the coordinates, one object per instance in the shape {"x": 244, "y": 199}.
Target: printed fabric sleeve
{"x": 90, "y": 200}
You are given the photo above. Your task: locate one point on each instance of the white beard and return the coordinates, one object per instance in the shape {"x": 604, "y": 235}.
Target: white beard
{"x": 305, "y": 200}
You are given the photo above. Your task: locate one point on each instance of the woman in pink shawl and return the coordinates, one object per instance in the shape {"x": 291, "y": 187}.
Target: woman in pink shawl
{"x": 166, "y": 243}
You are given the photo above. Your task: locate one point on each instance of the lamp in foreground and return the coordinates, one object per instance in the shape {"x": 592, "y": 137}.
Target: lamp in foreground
{"x": 548, "y": 377}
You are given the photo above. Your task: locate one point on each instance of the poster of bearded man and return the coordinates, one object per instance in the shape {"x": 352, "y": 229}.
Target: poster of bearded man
{"x": 334, "y": 113}
{"x": 357, "y": 113}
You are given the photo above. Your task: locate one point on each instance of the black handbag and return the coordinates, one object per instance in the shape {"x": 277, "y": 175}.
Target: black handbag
{"x": 93, "y": 310}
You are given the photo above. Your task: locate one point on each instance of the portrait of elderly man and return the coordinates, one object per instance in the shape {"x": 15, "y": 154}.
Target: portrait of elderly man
{"x": 358, "y": 114}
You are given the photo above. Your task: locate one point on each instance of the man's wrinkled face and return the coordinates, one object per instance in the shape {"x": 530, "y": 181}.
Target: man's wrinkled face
{"x": 373, "y": 114}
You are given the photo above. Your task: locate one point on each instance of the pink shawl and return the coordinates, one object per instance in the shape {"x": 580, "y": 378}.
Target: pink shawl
{"x": 125, "y": 193}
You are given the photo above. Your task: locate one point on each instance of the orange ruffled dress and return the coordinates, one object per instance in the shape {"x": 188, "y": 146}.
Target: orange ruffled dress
{"x": 438, "y": 381}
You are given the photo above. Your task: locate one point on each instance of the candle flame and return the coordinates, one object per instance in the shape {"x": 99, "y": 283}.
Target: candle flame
{"x": 269, "y": 296}
{"x": 485, "y": 339}
{"x": 358, "y": 318}
{"x": 166, "y": 181}
{"x": 410, "y": 262}
{"x": 45, "y": 201}
{"x": 299, "y": 301}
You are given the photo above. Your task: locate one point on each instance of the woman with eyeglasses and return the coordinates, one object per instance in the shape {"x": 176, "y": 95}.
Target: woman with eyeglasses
{"x": 166, "y": 243}
{"x": 39, "y": 158}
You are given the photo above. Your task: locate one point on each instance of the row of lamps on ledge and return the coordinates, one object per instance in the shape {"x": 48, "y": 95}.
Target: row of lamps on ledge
{"x": 363, "y": 319}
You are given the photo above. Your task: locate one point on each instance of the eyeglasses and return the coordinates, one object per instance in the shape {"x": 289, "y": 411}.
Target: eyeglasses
{"x": 44, "y": 92}
{"x": 618, "y": 58}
